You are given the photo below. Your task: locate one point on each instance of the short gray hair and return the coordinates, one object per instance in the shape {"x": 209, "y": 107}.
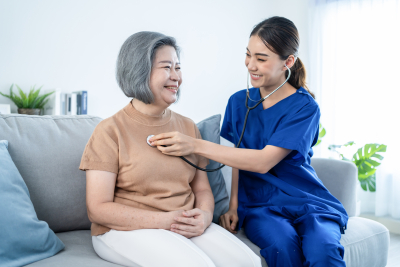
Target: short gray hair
{"x": 135, "y": 61}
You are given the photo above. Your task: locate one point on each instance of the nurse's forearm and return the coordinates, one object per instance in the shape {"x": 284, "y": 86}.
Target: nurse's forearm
{"x": 233, "y": 203}
{"x": 253, "y": 160}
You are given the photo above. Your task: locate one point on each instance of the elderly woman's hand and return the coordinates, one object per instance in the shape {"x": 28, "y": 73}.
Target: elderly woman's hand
{"x": 174, "y": 143}
{"x": 193, "y": 223}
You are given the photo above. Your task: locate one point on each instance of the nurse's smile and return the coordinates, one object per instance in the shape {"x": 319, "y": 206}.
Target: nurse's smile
{"x": 255, "y": 76}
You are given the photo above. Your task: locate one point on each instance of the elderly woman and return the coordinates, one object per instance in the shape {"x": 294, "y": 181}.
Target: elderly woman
{"x": 146, "y": 208}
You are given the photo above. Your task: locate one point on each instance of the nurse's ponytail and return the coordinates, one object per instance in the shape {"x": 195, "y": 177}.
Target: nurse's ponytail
{"x": 280, "y": 35}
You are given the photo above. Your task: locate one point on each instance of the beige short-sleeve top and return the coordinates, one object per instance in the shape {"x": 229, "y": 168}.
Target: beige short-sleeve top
{"x": 146, "y": 178}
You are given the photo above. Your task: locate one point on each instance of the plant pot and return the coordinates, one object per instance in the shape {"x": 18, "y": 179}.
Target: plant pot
{"x": 29, "y": 111}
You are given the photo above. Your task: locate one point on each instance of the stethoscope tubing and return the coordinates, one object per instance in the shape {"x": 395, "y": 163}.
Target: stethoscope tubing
{"x": 244, "y": 123}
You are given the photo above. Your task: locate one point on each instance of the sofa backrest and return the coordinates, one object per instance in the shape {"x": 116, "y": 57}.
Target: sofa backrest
{"x": 47, "y": 151}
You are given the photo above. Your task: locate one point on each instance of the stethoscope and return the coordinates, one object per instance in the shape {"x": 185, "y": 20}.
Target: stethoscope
{"x": 244, "y": 124}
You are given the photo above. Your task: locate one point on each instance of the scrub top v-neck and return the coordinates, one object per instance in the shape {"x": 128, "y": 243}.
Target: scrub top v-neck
{"x": 292, "y": 123}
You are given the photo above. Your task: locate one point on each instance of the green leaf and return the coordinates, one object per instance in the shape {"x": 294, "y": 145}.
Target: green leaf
{"x": 349, "y": 144}
{"x": 39, "y": 101}
{"x": 43, "y": 104}
{"x": 35, "y": 98}
{"x": 367, "y": 160}
{"x": 21, "y": 93}
{"x": 5, "y": 95}
{"x": 322, "y": 133}
{"x": 32, "y": 100}
{"x": 18, "y": 101}
{"x": 373, "y": 162}
{"x": 365, "y": 175}
{"x": 363, "y": 184}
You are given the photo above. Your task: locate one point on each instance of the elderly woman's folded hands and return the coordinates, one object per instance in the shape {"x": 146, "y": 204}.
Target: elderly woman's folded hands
{"x": 191, "y": 223}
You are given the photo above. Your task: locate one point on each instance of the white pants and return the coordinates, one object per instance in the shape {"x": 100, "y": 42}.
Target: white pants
{"x": 216, "y": 247}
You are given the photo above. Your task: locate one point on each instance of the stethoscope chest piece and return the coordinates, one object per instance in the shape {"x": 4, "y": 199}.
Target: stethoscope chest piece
{"x": 148, "y": 137}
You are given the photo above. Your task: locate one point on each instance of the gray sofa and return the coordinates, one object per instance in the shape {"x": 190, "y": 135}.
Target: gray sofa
{"x": 47, "y": 152}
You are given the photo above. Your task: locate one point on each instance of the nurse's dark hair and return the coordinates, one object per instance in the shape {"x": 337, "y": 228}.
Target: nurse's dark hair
{"x": 280, "y": 35}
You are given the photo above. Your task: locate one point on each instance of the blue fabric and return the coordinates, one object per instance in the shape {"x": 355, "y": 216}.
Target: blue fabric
{"x": 209, "y": 129}
{"x": 23, "y": 238}
{"x": 292, "y": 123}
{"x": 294, "y": 241}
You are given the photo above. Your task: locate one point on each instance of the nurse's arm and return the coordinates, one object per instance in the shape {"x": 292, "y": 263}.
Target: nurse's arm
{"x": 253, "y": 160}
{"x": 261, "y": 161}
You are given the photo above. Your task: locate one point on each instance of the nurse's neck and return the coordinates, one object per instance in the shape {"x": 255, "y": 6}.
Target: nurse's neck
{"x": 149, "y": 109}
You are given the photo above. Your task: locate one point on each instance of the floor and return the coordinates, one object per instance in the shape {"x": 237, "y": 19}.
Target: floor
{"x": 394, "y": 251}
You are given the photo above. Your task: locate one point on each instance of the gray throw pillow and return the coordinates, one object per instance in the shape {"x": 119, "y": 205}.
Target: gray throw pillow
{"x": 210, "y": 130}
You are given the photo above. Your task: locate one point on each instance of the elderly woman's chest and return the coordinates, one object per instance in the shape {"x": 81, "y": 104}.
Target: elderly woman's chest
{"x": 143, "y": 168}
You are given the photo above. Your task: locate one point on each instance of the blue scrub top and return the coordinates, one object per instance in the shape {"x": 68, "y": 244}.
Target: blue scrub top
{"x": 292, "y": 185}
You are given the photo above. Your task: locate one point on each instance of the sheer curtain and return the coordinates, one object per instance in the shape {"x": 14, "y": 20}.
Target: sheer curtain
{"x": 355, "y": 71}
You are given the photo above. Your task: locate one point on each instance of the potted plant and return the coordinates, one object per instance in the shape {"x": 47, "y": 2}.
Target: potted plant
{"x": 30, "y": 104}
{"x": 367, "y": 159}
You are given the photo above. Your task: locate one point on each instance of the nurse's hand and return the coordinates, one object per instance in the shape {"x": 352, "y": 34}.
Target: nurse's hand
{"x": 193, "y": 223}
{"x": 229, "y": 220}
{"x": 174, "y": 143}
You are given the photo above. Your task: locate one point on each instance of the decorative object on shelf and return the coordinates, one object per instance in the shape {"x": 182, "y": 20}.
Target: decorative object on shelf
{"x": 66, "y": 103}
{"x": 367, "y": 159}
{"x": 5, "y": 109}
{"x": 30, "y": 104}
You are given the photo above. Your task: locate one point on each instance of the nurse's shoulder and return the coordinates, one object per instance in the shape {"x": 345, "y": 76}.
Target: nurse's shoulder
{"x": 305, "y": 102}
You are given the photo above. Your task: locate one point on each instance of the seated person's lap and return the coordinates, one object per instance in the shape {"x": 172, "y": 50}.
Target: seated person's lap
{"x": 155, "y": 247}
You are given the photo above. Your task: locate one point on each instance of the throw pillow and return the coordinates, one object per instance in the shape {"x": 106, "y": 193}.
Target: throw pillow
{"x": 23, "y": 238}
{"x": 210, "y": 131}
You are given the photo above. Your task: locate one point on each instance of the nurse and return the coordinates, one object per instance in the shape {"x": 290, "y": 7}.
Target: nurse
{"x": 276, "y": 195}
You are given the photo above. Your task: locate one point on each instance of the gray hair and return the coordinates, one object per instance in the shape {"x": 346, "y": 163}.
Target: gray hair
{"x": 135, "y": 61}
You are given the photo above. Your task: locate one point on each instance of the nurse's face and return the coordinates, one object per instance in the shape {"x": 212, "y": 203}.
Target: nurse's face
{"x": 265, "y": 67}
{"x": 166, "y": 76}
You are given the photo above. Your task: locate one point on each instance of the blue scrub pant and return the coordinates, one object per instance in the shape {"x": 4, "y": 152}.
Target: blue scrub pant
{"x": 310, "y": 240}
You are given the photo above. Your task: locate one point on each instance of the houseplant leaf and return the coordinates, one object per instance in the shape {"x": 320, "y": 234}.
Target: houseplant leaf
{"x": 321, "y": 134}
{"x": 367, "y": 159}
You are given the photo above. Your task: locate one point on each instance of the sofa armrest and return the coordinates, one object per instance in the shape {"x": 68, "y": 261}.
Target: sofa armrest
{"x": 340, "y": 178}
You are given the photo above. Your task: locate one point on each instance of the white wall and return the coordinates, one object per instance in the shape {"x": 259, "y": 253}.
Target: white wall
{"x": 74, "y": 44}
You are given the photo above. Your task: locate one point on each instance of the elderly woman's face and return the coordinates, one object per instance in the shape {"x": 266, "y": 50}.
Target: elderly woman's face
{"x": 166, "y": 76}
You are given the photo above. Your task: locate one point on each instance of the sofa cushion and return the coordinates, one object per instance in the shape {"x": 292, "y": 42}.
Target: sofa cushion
{"x": 47, "y": 151}
{"x": 366, "y": 243}
{"x": 209, "y": 129}
{"x": 78, "y": 252}
{"x": 23, "y": 238}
